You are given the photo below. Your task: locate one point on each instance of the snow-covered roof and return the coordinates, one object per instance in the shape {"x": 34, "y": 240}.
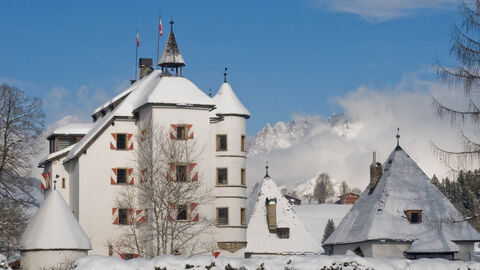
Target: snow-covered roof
{"x": 259, "y": 238}
{"x": 434, "y": 241}
{"x": 228, "y": 103}
{"x": 55, "y": 155}
{"x": 73, "y": 129}
{"x": 153, "y": 88}
{"x": 54, "y": 227}
{"x": 380, "y": 215}
{"x": 113, "y": 100}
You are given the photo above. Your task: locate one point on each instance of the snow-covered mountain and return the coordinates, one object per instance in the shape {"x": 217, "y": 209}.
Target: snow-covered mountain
{"x": 284, "y": 135}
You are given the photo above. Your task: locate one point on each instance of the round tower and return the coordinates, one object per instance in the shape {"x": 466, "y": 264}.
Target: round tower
{"x": 230, "y": 171}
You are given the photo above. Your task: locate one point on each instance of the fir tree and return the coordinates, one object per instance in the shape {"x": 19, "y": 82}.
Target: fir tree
{"x": 328, "y": 230}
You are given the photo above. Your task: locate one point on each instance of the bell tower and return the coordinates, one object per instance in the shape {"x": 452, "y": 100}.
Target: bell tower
{"x": 171, "y": 57}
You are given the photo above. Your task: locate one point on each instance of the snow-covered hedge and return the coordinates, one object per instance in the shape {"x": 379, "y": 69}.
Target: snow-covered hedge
{"x": 320, "y": 262}
{"x": 3, "y": 263}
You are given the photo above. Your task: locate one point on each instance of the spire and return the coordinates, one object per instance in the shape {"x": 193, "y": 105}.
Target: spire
{"x": 266, "y": 171}
{"x": 398, "y": 137}
{"x": 171, "y": 56}
{"x": 225, "y": 75}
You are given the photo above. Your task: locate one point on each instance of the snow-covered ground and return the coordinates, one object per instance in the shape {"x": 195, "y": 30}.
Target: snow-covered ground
{"x": 170, "y": 262}
{"x": 315, "y": 216}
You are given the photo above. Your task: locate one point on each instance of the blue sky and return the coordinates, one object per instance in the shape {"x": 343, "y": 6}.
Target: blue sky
{"x": 284, "y": 57}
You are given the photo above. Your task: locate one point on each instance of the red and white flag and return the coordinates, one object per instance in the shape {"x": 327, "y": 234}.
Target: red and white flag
{"x": 160, "y": 29}
{"x": 138, "y": 40}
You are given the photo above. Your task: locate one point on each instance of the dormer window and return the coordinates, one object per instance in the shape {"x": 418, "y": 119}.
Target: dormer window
{"x": 414, "y": 216}
{"x": 283, "y": 233}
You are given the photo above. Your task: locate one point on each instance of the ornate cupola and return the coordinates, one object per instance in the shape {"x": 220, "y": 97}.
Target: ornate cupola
{"x": 171, "y": 56}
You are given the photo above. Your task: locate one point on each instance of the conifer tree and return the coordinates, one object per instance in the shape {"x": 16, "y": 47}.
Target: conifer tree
{"x": 329, "y": 228}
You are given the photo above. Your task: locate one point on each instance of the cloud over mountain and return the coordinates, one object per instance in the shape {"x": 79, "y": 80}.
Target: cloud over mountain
{"x": 342, "y": 145}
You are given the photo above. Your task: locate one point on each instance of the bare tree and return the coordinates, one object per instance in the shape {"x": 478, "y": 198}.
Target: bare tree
{"x": 21, "y": 123}
{"x": 309, "y": 197}
{"x": 170, "y": 191}
{"x": 344, "y": 188}
{"x": 466, "y": 48}
{"x": 323, "y": 188}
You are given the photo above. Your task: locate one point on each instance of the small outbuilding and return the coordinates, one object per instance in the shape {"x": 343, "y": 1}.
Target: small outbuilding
{"x": 273, "y": 228}
{"x": 401, "y": 214}
{"x": 54, "y": 237}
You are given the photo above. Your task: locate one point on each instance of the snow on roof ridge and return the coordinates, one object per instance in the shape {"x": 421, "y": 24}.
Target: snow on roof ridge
{"x": 154, "y": 88}
{"x": 402, "y": 186}
{"x": 54, "y": 155}
{"x": 228, "y": 103}
{"x": 73, "y": 128}
{"x": 54, "y": 227}
{"x": 259, "y": 238}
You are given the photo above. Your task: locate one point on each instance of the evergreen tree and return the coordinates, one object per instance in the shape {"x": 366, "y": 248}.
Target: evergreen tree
{"x": 328, "y": 230}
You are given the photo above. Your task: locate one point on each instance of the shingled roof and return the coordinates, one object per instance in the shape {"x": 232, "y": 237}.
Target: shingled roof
{"x": 380, "y": 214}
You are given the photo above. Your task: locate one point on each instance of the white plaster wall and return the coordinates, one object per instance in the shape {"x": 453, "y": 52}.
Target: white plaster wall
{"x": 465, "y": 252}
{"x": 45, "y": 259}
{"x": 234, "y": 194}
{"x": 97, "y": 196}
{"x": 390, "y": 250}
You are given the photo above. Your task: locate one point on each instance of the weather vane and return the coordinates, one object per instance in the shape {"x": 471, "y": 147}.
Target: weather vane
{"x": 225, "y": 75}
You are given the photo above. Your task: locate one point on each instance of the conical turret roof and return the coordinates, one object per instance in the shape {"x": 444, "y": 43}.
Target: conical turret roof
{"x": 380, "y": 214}
{"x": 54, "y": 227}
{"x": 228, "y": 103}
{"x": 261, "y": 240}
{"x": 171, "y": 56}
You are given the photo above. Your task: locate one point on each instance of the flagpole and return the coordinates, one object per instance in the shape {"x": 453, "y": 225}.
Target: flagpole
{"x": 158, "y": 37}
{"x": 136, "y": 55}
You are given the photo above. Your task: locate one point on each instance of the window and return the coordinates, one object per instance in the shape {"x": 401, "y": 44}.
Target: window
{"x": 222, "y": 216}
{"x": 222, "y": 176}
{"x": 243, "y": 177}
{"x": 121, "y": 176}
{"x": 182, "y": 212}
{"x": 243, "y": 220}
{"x": 110, "y": 250}
{"x": 123, "y": 216}
{"x": 63, "y": 183}
{"x": 414, "y": 216}
{"x": 283, "y": 232}
{"x": 243, "y": 143}
{"x": 129, "y": 256}
{"x": 181, "y": 133}
{"x": 181, "y": 173}
{"x": 221, "y": 142}
{"x": 358, "y": 251}
{"x": 121, "y": 141}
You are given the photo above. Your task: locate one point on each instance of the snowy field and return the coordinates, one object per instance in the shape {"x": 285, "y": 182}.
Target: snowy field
{"x": 315, "y": 216}
{"x": 320, "y": 262}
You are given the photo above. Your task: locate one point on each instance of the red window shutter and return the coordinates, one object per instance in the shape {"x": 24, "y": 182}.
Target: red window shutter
{"x": 113, "y": 145}
{"x": 130, "y": 141}
{"x": 190, "y": 136}
{"x": 130, "y": 176}
{"x": 113, "y": 178}
{"x": 115, "y": 215}
{"x": 195, "y": 219}
{"x": 192, "y": 206}
{"x": 195, "y": 177}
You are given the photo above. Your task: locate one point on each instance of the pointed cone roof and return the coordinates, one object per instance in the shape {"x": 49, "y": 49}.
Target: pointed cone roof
{"x": 380, "y": 215}
{"x": 259, "y": 238}
{"x": 171, "y": 56}
{"x": 228, "y": 103}
{"x": 54, "y": 227}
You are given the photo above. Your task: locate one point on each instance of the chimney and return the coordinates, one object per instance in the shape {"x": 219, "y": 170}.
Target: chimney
{"x": 375, "y": 172}
{"x": 271, "y": 205}
{"x": 146, "y": 66}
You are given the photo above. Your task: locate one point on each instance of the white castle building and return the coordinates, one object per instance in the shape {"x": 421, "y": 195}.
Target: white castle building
{"x": 92, "y": 163}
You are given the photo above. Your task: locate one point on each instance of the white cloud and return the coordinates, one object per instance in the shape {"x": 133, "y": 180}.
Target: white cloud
{"x": 381, "y": 10}
{"x": 375, "y": 115}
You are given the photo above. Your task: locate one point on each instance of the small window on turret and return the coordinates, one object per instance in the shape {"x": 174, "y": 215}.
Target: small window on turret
{"x": 221, "y": 142}
{"x": 243, "y": 143}
{"x": 222, "y": 176}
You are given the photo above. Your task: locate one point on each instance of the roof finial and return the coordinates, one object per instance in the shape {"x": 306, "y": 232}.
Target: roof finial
{"x": 54, "y": 184}
{"x": 210, "y": 92}
{"x": 171, "y": 25}
{"x": 225, "y": 75}
{"x": 266, "y": 171}
{"x": 398, "y": 137}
